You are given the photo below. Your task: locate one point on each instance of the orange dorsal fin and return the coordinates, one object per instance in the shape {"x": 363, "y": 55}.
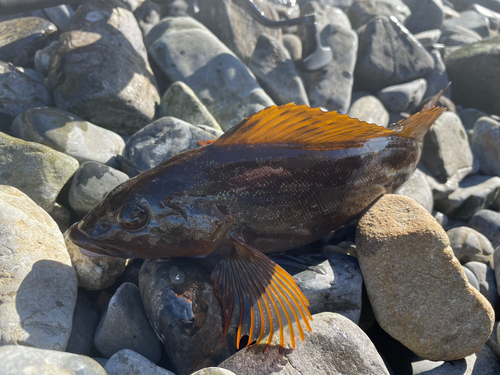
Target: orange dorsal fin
{"x": 417, "y": 125}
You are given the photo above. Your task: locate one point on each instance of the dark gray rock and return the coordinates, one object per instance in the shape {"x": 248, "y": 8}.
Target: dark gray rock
{"x": 405, "y": 97}
{"x": 425, "y": 15}
{"x": 471, "y": 20}
{"x": 124, "y": 325}
{"x": 99, "y": 70}
{"x": 272, "y": 65}
{"x": 20, "y": 38}
{"x": 147, "y": 16}
{"x": 437, "y": 79}
{"x": 187, "y": 51}
{"x": 91, "y": 183}
{"x": 128, "y": 362}
{"x": 487, "y": 222}
{"x": 23, "y": 360}
{"x": 60, "y": 15}
{"x": 471, "y": 277}
{"x": 61, "y": 216}
{"x": 485, "y": 142}
{"x": 388, "y": 54}
{"x": 469, "y": 116}
{"x": 470, "y": 245}
{"x": 363, "y": 11}
{"x": 492, "y": 342}
{"x": 418, "y": 189}
{"x": 85, "y": 321}
{"x": 20, "y": 92}
{"x": 486, "y": 279}
{"x": 368, "y": 108}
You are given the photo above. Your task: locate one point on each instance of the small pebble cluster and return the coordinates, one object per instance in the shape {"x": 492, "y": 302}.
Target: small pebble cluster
{"x": 94, "y": 95}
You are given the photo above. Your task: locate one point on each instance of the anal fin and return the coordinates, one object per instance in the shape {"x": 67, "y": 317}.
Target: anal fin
{"x": 272, "y": 308}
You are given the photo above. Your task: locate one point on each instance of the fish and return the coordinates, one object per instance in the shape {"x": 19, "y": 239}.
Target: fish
{"x": 284, "y": 177}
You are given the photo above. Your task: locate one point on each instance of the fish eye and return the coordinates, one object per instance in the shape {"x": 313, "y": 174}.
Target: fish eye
{"x": 132, "y": 216}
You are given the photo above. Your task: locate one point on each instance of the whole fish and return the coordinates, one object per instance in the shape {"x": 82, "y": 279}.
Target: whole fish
{"x": 284, "y": 177}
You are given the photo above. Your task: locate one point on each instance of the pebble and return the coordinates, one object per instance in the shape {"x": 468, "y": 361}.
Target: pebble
{"x": 85, "y": 321}
{"x": 405, "y": 97}
{"x": 486, "y": 279}
{"x": 470, "y": 245}
{"x": 368, "y": 108}
{"x": 363, "y": 11}
{"x": 23, "y": 360}
{"x": 487, "y": 222}
{"x": 128, "y": 362}
{"x": 124, "y": 325}
{"x": 39, "y": 285}
{"x": 425, "y": 15}
{"x": 485, "y": 143}
{"x": 417, "y": 188}
{"x": 336, "y": 346}
{"x": 444, "y": 317}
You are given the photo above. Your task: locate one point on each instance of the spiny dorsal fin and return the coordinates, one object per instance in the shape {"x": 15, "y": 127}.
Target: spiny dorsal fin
{"x": 417, "y": 125}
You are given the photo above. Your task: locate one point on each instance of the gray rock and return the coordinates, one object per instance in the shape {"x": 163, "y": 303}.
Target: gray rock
{"x": 461, "y": 5}
{"x": 363, "y": 11}
{"x": 20, "y": 92}
{"x": 418, "y": 189}
{"x": 293, "y": 44}
{"x": 68, "y": 134}
{"x": 213, "y": 371}
{"x": 85, "y": 321}
{"x": 330, "y": 87}
{"x": 60, "y": 15}
{"x": 187, "y": 51}
{"x": 496, "y": 263}
{"x": 404, "y": 97}
{"x": 485, "y": 143}
{"x": 61, "y": 216}
{"x": 471, "y": 20}
{"x": 128, "y": 362}
{"x": 471, "y": 278}
{"x": 272, "y": 65}
{"x": 91, "y": 183}
{"x": 437, "y": 79}
{"x": 429, "y": 37}
{"x": 42, "y": 57}
{"x": 388, "y": 54}
{"x": 39, "y": 286}
{"x": 20, "y": 38}
{"x": 456, "y": 35}
{"x": 23, "y": 360}
{"x": 99, "y": 70}
{"x": 147, "y": 16}
{"x": 425, "y": 15}
{"x": 101, "y": 361}
{"x": 487, "y": 222}
{"x": 185, "y": 314}
{"x": 124, "y": 325}
{"x": 473, "y": 70}
{"x": 469, "y": 116}
{"x": 493, "y": 17}
{"x": 441, "y": 218}
{"x": 368, "y": 108}
{"x": 492, "y": 342}
{"x": 325, "y": 15}
{"x": 446, "y": 150}
{"x": 486, "y": 279}
{"x": 162, "y": 139}
{"x": 36, "y": 170}
{"x": 470, "y": 245}
{"x": 335, "y": 346}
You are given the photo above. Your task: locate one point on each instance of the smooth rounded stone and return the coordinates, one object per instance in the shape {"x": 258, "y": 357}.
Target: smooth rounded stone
{"x": 425, "y": 15}
{"x": 293, "y": 44}
{"x": 429, "y": 37}
{"x": 437, "y": 79}
{"x": 338, "y": 290}
{"x": 213, "y": 371}
{"x": 388, "y": 55}
{"x": 181, "y": 102}
{"x": 368, "y": 108}
{"x": 128, "y": 362}
{"x": 470, "y": 245}
{"x": 485, "y": 276}
{"x": 99, "y": 69}
{"x": 20, "y": 38}
{"x": 455, "y": 36}
{"x": 23, "y": 360}
{"x": 335, "y": 346}
{"x": 39, "y": 285}
{"x": 404, "y": 97}
{"x": 124, "y": 325}
{"x": 42, "y": 58}
{"x": 485, "y": 143}
{"x": 469, "y": 116}
{"x": 471, "y": 20}
{"x": 330, "y": 87}
{"x": 446, "y": 150}
{"x": 325, "y": 15}
{"x": 474, "y": 70}
{"x": 232, "y": 23}
{"x": 363, "y": 11}
{"x": 69, "y": 134}
{"x": 487, "y": 222}
{"x": 61, "y": 216}
{"x": 492, "y": 342}
{"x": 38, "y": 171}
{"x": 147, "y": 16}
{"x": 85, "y": 321}
{"x": 493, "y": 17}
{"x": 473, "y": 194}
{"x": 20, "y": 92}
{"x": 60, "y": 15}
{"x": 187, "y": 51}
{"x": 36, "y": 75}
{"x": 417, "y": 188}
{"x": 275, "y": 71}
{"x": 471, "y": 277}
{"x": 162, "y": 139}
{"x": 94, "y": 273}
{"x": 441, "y": 218}
{"x": 425, "y": 302}
{"x": 187, "y": 317}
{"x": 91, "y": 183}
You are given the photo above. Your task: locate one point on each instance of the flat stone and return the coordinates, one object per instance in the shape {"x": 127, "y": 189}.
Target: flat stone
{"x": 335, "y": 346}
{"x": 486, "y": 279}
{"x": 99, "y": 69}
{"x": 36, "y": 170}
{"x": 181, "y": 102}
{"x": 437, "y": 79}
{"x": 39, "y": 285}
{"x": 368, "y": 108}
{"x": 425, "y": 302}
{"x": 425, "y": 15}
{"x": 23, "y": 360}
{"x": 85, "y": 321}
{"x": 20, "y": 38}
{"x": 470, "y": 245}
{"x": 275, "y": 71}
{"x": 388, "y": 55}
{"x": 485, "y": 143}
{"x": 124, "y": 325}
{"x": 404, "y": 97}
{"x": 471, "y": 20}
{"x": 363, "y": 11}
{"x": 187, "y": 51}
{"x": 128, "y": 362}
{"x": 418, "y": 189}
{"x": 68, "y": 134}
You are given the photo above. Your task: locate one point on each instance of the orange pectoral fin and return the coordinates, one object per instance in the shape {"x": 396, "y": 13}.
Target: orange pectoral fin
{"x": 271, "y": 305}
{"x": 207, "y": 142}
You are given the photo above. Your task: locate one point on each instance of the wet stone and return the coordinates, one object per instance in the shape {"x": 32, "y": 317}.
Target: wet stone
{"x": 91, "y": 183}
{"x": 487, "y": 222}
{"x": 85, "y": 321}
{"x": 418, "y": 189}
{"x": 405, "y": 97}
{"x": 368, "y": 108}
{"x": 363, "y": 11}
{"x": 486, "y": 279}
{"x": 425, "y": 15}
{"x": 128, "y": 362}
{"x": 485, "y": 143}
{"x": 470, "y": 245}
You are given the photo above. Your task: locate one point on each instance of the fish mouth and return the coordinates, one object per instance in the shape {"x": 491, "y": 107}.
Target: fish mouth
{"x": 88, "y": 247}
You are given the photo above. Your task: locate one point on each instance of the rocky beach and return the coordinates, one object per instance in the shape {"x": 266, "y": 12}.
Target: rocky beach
{"x": 96, "y": 92}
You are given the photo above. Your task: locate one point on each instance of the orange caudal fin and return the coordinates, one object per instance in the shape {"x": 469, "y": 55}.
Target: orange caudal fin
{"x": 272, "y": 309}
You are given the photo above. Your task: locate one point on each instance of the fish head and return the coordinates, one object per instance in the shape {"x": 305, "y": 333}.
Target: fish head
{"x": 132, "y": 222}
